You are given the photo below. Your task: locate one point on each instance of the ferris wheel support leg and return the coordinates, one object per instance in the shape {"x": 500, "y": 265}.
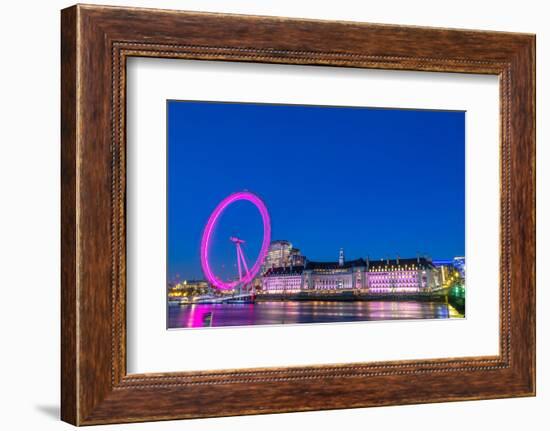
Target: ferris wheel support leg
{"x": 245, "y": 265}
{"x": 239, "y": 262}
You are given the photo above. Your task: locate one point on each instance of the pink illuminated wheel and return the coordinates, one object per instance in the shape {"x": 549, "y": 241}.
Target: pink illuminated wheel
{"x": 209, "y": 229}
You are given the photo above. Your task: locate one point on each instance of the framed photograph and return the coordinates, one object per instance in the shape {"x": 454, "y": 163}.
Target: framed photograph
{"x": 234, "y": 272}
{"x": 323, "y": 214}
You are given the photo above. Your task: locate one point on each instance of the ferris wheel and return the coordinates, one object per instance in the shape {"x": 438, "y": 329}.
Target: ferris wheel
{"x": 245, "y": 274}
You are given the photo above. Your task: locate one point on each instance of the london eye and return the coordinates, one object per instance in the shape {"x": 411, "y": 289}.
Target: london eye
{"x": 245, "y": 273}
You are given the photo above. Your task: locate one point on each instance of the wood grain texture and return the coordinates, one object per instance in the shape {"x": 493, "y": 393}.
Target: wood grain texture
{"x": 96, "y": 41}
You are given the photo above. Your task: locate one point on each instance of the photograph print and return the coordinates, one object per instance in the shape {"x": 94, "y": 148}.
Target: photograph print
{"x": 291, "y": 214}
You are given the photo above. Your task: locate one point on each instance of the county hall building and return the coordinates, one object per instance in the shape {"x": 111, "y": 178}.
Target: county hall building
{"x": 384, "y": 276}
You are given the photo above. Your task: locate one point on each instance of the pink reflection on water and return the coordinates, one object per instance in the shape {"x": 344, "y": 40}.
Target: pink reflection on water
{"x": 290, "y": 312}
{"x": 198, "y": 314}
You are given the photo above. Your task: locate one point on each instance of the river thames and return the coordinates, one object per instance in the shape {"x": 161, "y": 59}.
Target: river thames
{"x": 293, "y": 312}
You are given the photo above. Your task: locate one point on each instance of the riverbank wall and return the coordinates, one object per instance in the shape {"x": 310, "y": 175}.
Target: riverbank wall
{"x": 350, "y": 296}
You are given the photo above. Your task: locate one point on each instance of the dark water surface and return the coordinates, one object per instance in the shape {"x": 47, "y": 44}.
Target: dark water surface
{"x": 292, "y": 312}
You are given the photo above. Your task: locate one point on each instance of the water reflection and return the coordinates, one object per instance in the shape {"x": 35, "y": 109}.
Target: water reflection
{"x": 292, "y": 312}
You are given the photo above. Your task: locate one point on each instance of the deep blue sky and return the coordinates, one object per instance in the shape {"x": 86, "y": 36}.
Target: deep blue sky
{"x": 377, "y": 182}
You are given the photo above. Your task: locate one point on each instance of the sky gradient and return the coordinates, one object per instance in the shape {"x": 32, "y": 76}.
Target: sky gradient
{"x": 376, "y": 182}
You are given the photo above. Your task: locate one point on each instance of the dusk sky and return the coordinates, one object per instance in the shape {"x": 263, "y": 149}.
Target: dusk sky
{"x": 375, "y": 182}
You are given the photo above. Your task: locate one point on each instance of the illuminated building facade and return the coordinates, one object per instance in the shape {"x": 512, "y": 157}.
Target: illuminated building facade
{"x": 385, "y": 276}
{"x": 188, "y": 288}
{"x": 281, "y": 254}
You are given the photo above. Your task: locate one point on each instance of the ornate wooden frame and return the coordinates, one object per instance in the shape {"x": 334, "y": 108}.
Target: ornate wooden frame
{"x": 95, "y": 43}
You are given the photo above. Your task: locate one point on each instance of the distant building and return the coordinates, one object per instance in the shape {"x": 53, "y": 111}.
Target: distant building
{"x": 296, "y": 258}
{"x": 398, "y": 275}
{"x": 460, "y": 264}
{"x": 188, "y": 288}
{"x": 278, "y": 254}
{"x": 447, "y": 267}
{"x": 281, "y": 254}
